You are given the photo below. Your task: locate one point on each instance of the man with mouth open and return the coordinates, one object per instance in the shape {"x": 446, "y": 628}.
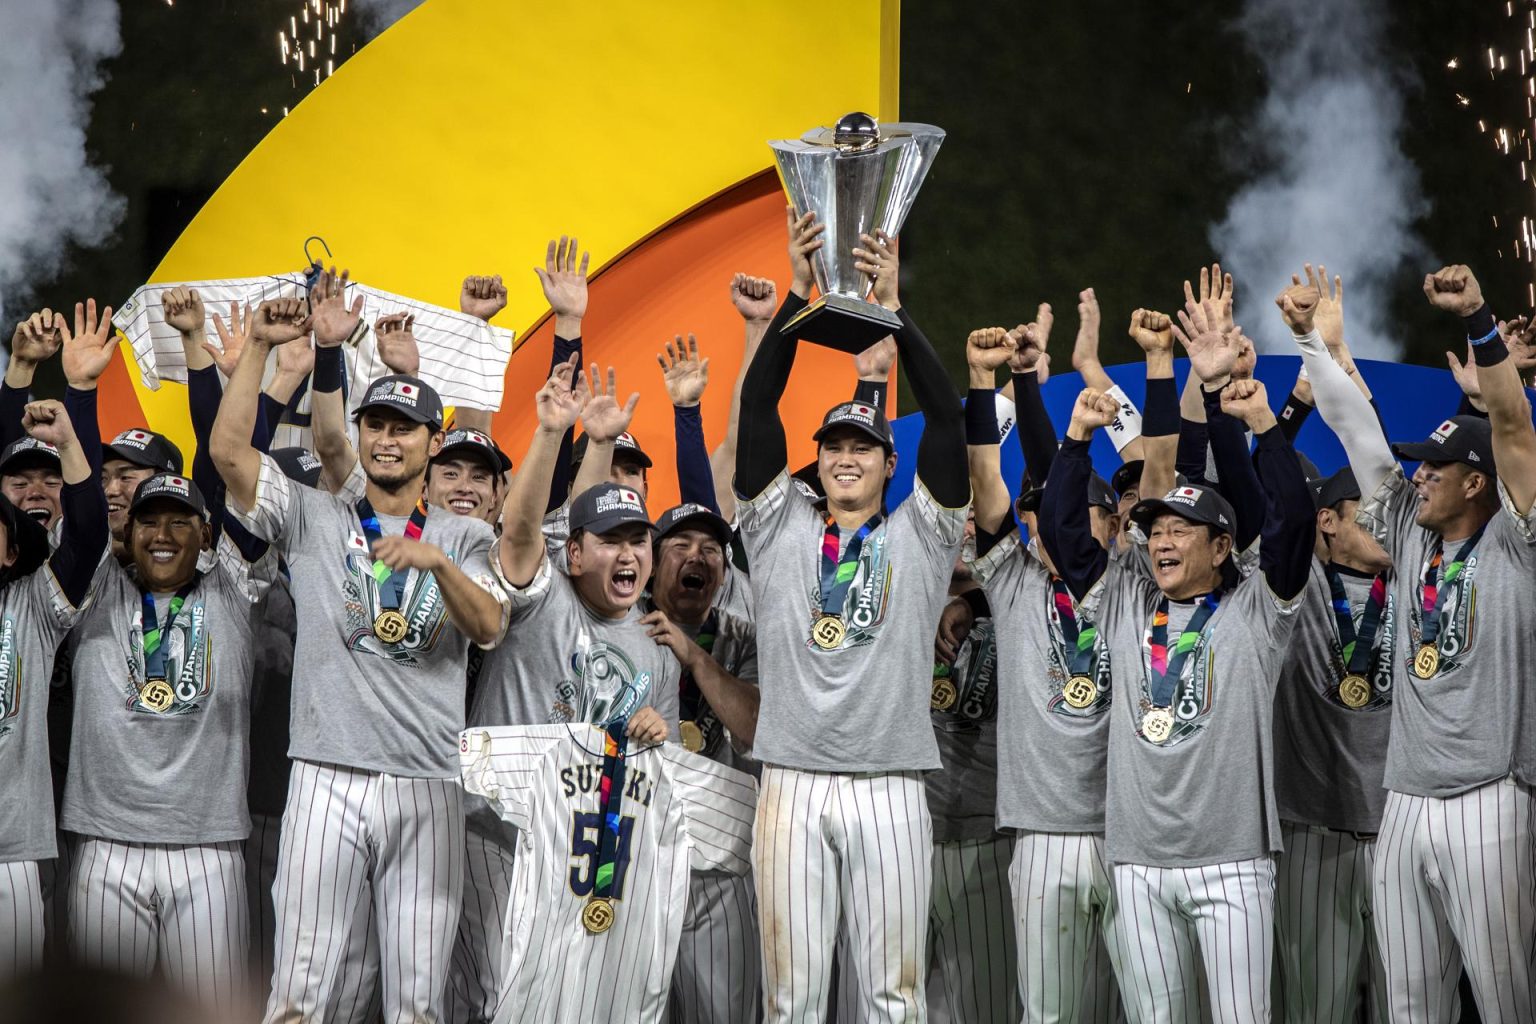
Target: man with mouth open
{"x": 390, "y": 594}
{"x": 1191, "y": 825}
{"x": 465, "y": 475}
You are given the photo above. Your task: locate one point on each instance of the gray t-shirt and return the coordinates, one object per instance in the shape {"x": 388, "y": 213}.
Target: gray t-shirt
{"x": 34, "y": 617}
{"x": 735, "y": 650}
{"x": 1329, "y": 756}
{"x": 165, "y": 762}
{"x": 1460, "y": 728}
{"x": 962, "y": 796}
{"x": 1051, "y": 765}
{"x": 1205, "y": 795}
{"x": 357, "y": 701}
{"x": 862, "y": 706}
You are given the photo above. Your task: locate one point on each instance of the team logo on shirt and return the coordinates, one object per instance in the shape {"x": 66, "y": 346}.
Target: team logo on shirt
{"x": 1192, "y": 694}
{"x": 188, "y": 668}
{"x": 1058, "y": 673}
{"x": 603, "y": 684}
{"x": 868, "y": 598}
{"x": 1379, "y": 675}
{"x": 974, "y": 678}
{"x": 421, "y": 604}
{"x": 1458, "y": 620}
{"x": 10, "y": 676}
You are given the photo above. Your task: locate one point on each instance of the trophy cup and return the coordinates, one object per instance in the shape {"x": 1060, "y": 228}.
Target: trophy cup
{"x": 858, "y": 176}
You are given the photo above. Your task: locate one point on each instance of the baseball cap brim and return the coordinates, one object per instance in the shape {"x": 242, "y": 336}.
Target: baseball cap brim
{"x": 175, "y": 499}
{"x": 703, "y": 520}
{"x": 402, "y": 411}
{"x": 1146, "y": 512}
{"x": 1428, "y": 451}
{"x": 495, "y": 458}
{"x": 132, "y": 455}
{"x": 616, "y": 520}
{"x": 873, "y": 432}
{"x": 30, "y": 458}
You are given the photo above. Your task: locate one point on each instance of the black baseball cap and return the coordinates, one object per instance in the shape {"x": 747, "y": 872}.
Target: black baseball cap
{"x": 606, "y": 507}
{"x": 625, "y": 449}
{"x": 146, "y": 448}
{"x": 1464, "y": 439}
{"x": 298, "y": 464}
{"x": 697, "y": 516}
{"x": 1126, "y": 477}
{"x": 480, "y": 445}
{"x": 29, "y": 453}
{"x": 411, "y": 397}
{"x": 1331, "y": 490}
{"x": 170, "y": 487}
{"x": 865, "y": 418}
{"x": 1196, "y": 504}
{"x": 28, "y": 536}
{"x": 1099, "y": 494}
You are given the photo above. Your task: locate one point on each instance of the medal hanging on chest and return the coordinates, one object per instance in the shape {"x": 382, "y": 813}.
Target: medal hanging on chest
{"x": 390, "y": 625}
{"x": 1080, "y": 690}
{"x": 696, "y": 712}
{"x": 598, "y": 912}
{"x": 837, "y": 573}
{"x": 1356, "y": 648}
{"x": 157, "y": 693}
{"x": 1167, "y": 667}
{"x": 1432, "y": 592}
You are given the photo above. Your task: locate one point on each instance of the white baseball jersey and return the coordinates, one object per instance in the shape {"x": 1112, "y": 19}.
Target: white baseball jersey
{"x": 680, "y": 813}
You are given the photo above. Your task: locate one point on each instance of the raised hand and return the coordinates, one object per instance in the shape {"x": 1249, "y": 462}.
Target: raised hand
{"x": 395, "y": 337}
{"x": 1298, "y": 307}
{"x": 876, "y": 256}
{"x": 38, "y": 337}
{"x": 1247, "y": 401}
{"x": 232, "y": 339}
{"x": 296, "y": 361}
{"x": 1151, "y": 331}
{"x": 279, "y": 321}
{"x": 1466, "y": 377}
{"x": 482, "y": 297}
{"x": 333, "y": 322}
{"x": 1092, "y": 411}
{"x": 183, "y": 309}
{"x": 47, "y": 421}
{"x": 604, "y": 418}
{"x": 1454, "y": 289}
{"x": 1247, "y": 359}
{"x": 755, "y": 298}
{"x": 564, "y": 279}
{"x": 1520, "y": 338}
{"x": 1212, "y": 351}
{"x": 560, "y": 401}
{"x": 1328, "y": 318}
{"x": 875, "y": 362}
{"x": 1215, "y": 287}
{"x": 1085, "y": 349}
{"x": 683, "y": 372}
{"x": 88, "y": 351}
{"x": 804, "y": 239}
{"x": 1030, "y": 340}
{"x": 987, "y": 349}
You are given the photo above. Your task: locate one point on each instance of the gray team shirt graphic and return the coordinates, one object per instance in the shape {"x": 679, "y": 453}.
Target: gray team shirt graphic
{"x": 1329, "y": 757}
{"x": 1461, "y": 728}
{"x": 1206, "y": 795}
{"x": 863, "y": 706}
{"x": 1052, "y": 764}
{"x": 358, "y": 702}
{"x": 962, "y": 796}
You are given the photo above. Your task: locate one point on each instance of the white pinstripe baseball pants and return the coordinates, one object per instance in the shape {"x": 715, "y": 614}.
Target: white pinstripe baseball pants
{"x": 344, "y": 830}
{"x": 136, "y": 906}
{"x": 860, "y": 847}
{"x": 478, "y": 964}
{"x": 971, "y": 932}
{"x": 1169, "y": 923}
{"x": 1325, "y": 930}
{"x": 1456, "y": 887}
{"x": 1062, "y": 904}
{"x": 718, "y": 975}
{"x": 21, "y": 919}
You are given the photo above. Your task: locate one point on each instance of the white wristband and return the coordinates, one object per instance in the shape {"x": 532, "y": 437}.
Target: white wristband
{"x": 1127, "y": 423}
{"x": 1007, "y": 416}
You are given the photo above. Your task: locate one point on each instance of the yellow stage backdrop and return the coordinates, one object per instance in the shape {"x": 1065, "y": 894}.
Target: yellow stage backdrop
{"x": 471, "y": 132}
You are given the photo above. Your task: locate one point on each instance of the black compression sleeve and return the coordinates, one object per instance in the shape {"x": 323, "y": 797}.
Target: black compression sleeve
{"x": 761, "y": 450}
{"x": 941, "y": 455}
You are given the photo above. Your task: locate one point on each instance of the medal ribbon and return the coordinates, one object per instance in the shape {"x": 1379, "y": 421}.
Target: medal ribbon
{"x": 1356, "y": 648}
{"x": 1079, "y": 640}
{"x": 611, "y": 797}
{"x": 154, "y": 636}
{"x": 692, "y": 702}
{"x": 837, "y": 575}
{"x": 1434, "y": 589}
{"x": 1166, "y": 669}
{"x": 391, "y": 582}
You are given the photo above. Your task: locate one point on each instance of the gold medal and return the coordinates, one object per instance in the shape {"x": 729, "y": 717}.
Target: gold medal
{"x": 1157, "y": 725}
{"x": 597, "y": 915}
{"x": 693, "y": 736}
{"x": 156, "y": 695}
{"x": 1079, "y": 692}
{"x": 944, "y": 694}
{"x": 390, "y": 626}
{"x": 1427, "y": 662}
{"x": 1355, "y": 691}
{"x": 828, "y": 632}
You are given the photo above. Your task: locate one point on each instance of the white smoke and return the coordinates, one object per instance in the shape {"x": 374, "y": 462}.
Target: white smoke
{"x": 378, "y": 15}
{"x": 51, "y": 196}
{"x": 1331, "y": 181}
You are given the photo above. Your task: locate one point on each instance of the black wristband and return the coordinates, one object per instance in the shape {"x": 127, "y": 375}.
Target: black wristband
{"x": 977, "y": 600}
{"x": 1491, "y": 352}
{"x": 1160, "y": 416}
{"x": 1480, "y": 323}
{"x": 981, "y": 417}
{"x": 330, "y": 368}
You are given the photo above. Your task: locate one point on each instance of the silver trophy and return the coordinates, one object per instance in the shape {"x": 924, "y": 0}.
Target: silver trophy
{"x": 858, "y": 176}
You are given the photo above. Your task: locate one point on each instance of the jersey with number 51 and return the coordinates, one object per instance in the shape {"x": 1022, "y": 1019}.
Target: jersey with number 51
{"x": 680, "y": 813}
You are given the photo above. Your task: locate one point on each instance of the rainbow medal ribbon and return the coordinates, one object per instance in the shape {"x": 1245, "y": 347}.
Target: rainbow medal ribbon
{"x": 156, "y": 693}
{"x": 1355, "y": 649}
{"x": 1426, "y": 660}
{"x": 836, "y": 577}
{"x": 1157, "y": 723}
{"x": 597, "y": 913}
{"x": 390, "y": 625}
{"x": 700, "y": 726}
{"x": 1080, "y": 690}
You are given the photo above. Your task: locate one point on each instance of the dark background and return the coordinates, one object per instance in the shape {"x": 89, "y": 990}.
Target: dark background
{"x": 1075, "y": 155}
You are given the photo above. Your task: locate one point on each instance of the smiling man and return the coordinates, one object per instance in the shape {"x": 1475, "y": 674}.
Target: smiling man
{"x": 465, "y": 475}
{"x": 129, "y": 459}
{"x": 31, "y": 478}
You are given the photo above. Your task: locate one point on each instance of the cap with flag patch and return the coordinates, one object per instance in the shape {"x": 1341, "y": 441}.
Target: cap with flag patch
{"x": 473, "y": 442}
{"x": 865, "y": 418}
{"x": 1195, "y": 504}
{"x": 29, "y": 453}
{"x": 1464, "y": 439}
{"x": 298, "y": 464}
{"x": 625, "y": 449}
{"x": 698, "y": 516}
{"x": 411, "y": 397}
{"x": 607, "y": 507}
{"x": 169, "y": 487}
{"x": 146, "y": 448}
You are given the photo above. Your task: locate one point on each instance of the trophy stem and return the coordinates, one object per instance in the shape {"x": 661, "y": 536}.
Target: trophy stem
{"x": 842, "y": 322}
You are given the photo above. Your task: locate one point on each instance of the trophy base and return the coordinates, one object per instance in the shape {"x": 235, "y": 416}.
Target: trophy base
{"x": 843, "y": 322}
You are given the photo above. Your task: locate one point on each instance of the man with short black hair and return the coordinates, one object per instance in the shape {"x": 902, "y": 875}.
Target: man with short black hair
{"x": 465, "y": 476}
